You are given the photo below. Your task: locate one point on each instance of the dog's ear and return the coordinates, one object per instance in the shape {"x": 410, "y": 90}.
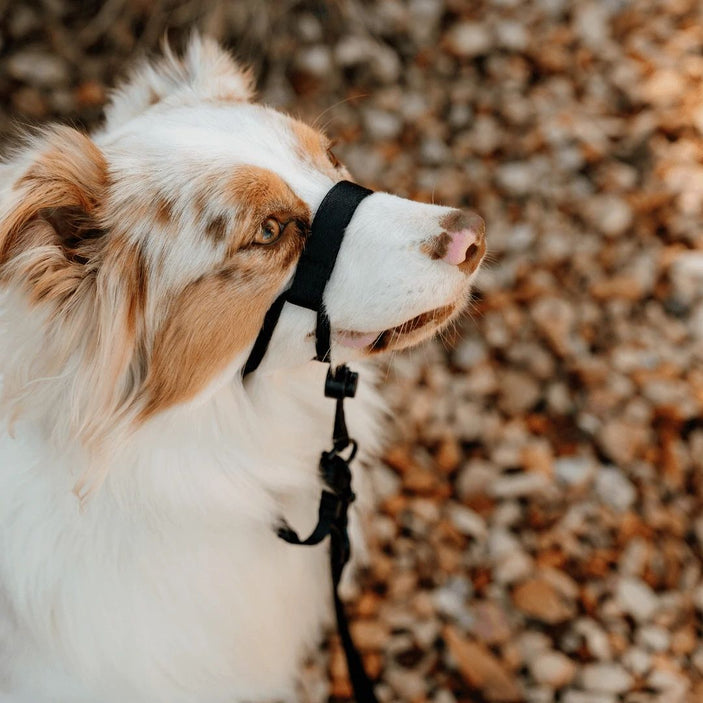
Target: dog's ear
{"x": 206, "y": 72}
{"x": 49, "y": 229}
{"x": 56, "y": 250}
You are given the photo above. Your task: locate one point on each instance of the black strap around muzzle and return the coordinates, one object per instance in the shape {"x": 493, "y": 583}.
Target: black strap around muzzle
{"x": 307, "y": 290}
{"x": 314, "y": 270}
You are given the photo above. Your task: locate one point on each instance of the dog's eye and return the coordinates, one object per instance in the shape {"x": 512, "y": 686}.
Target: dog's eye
{"x": 335, "y": 161}
{"x": 269, "y": 232}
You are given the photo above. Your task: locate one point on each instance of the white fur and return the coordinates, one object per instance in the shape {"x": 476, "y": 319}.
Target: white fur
{"x": 169, "y": 584}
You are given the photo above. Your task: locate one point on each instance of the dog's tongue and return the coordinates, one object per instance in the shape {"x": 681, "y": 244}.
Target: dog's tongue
{"x": 357, "y": 340}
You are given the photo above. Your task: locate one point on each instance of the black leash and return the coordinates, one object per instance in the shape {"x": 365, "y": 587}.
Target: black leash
{"x": 333, "y": 520}
{"x": 311, "y": 276}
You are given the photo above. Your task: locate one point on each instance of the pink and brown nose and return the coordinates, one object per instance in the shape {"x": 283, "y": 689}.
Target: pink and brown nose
{"x": 462, "y": 243}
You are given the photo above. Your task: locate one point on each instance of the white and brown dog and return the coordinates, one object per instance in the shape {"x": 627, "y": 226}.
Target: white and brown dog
{"x": 140, "y": 476}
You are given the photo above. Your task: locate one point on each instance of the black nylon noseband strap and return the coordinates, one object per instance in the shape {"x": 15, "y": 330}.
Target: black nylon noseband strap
{"x": 314, "y": 269}
{"x": 318, "y": 259}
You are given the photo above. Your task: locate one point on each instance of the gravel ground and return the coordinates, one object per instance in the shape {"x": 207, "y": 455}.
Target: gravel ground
{"x": 540, "y": 532}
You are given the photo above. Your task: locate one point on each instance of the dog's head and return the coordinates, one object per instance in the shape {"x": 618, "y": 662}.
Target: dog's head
{"x": 152, "y": 252}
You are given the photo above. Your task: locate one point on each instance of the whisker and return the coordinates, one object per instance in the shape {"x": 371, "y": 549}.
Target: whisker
{"x": 337, "y": 104}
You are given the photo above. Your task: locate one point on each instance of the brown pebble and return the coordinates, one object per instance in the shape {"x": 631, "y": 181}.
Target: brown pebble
{"x": 539, "y": 599}
{"x": 481, "y": 669}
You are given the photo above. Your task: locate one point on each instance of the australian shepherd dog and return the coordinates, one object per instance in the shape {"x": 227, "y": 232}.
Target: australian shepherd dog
{"x": 141, "y": 476}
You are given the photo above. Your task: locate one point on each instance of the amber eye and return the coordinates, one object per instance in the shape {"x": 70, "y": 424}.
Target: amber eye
{"x": 335, "y": 161}
{"x": 269, "y": 231}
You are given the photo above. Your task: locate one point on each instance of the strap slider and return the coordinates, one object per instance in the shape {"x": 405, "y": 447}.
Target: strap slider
{"x": 336, "y": 474}
{"x": 342, "y": 383}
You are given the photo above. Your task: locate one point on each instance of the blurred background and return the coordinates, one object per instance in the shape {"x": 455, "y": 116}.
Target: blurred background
{"x": 540, "y": 534}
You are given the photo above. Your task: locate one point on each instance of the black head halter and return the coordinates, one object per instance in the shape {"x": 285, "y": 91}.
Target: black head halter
{"x": 307, "y": 290}
{"x": 314, "y": 269}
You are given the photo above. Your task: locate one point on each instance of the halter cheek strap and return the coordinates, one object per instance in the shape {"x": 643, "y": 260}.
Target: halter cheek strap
{"x": 307, "y": 290}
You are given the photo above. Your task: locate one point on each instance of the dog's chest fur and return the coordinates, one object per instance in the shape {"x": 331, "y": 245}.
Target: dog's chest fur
{"x": 170, "y": 582}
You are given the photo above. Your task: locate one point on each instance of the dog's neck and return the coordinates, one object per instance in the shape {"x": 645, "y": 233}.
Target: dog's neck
{"x": 265, "y": 434}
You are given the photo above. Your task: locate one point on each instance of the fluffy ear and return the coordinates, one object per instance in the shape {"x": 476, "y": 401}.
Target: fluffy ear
{"x": 92, "y": 282}
{"x": 49, "y": 230}
{"x": 206, "y": 72}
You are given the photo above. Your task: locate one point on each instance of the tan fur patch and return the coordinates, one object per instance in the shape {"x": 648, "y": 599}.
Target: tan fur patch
{"x": 127, "y": 260}
{"x": 212, "y": 320}
{"x": 122, "y": 287}
{"x": 216, "y": 229}
{"x": 218, "y": 315}
{"x": 164, "y": 212}
{"x": 261, "y": 190}
{"x": 313, "y": 146}
{"x": 57, "y": 200}
{"x": 463, "y": 219}
{"x": 258, "y": 193}
{"x": 436, "y": 248}
{"x": 199, "y": 204}
{"x": 73, "y": 164}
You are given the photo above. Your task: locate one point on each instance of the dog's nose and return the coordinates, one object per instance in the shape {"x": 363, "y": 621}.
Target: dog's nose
{"x": 463, "y": 241}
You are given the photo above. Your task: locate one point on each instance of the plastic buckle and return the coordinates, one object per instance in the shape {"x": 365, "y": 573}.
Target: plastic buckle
{"x": 342, "y": 383}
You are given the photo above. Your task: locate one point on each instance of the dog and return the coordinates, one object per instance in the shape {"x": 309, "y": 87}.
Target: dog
{"x": 141, "y": 476}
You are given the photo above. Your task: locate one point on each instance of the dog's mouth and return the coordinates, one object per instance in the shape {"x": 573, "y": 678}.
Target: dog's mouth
{"x": 410, "y": 332}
